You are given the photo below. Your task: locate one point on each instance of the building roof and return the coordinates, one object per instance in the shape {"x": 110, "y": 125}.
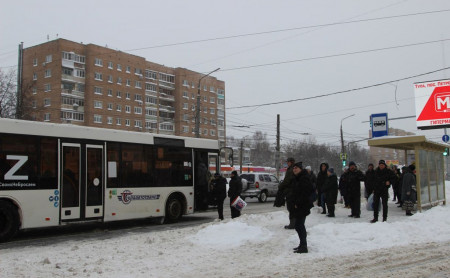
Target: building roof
{"x": 406, "y": 143}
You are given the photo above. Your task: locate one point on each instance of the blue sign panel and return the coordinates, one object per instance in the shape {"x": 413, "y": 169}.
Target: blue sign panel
{"x": 445, "y": 138}
{"x": 379, "y": 123}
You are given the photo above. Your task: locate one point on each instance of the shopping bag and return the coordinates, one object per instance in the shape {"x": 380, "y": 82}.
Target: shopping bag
{"x": 238, "y": 203}
{"x": 369, "y": 205}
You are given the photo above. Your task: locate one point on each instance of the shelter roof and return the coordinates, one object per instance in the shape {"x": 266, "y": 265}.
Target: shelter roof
{"x": 406, "y": 143}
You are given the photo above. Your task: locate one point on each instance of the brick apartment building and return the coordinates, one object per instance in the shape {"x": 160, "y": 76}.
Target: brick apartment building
{"x": 90, "y": 85}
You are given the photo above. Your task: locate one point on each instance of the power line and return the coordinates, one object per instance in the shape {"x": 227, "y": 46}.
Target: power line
{"x": 338, "y": 92}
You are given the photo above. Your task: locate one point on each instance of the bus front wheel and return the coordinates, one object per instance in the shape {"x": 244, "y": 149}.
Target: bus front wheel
{"x": 174, "y": 210}
{"x": 9, "y": 220}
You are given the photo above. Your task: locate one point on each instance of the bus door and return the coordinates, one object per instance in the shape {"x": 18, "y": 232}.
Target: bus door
{"x": 81, "y": 181}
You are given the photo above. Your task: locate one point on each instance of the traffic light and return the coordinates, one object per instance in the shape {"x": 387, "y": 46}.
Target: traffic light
{"x": 344, "y": 162}
{"x": 445, "y": 153}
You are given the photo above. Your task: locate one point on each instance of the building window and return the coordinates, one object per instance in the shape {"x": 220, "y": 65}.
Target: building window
{"x": 35, "y": 62}
{"x": 119, "y": 67}
{"x": 151, "y": 125}
{"x": 47, "y": 87}
{"x": 137, "y": 123}
{"x": 186, "y": 117}
{"x": 47, "y": 102}
{"x": 185, "y": 129}
{"x": 150, "y": 74}
{"x": 205, "y": 131}
{"x": 48, "y": 58}
{"x": 205, "y": 88}
{"x": 118, "y": 121}
{"x": 150, "y": 87}
{"x": 212, "y": 132}
{"x": 34, "y": 90}
{"x": 137, "y": 84}
{"x": 137, "y": 110}
{"x": 211, "y": 89}
{"x": 192, "y": 96}
{"x": 109, "y": 120}
{"x": 212, "y": 100}
{"x": 137, "y": 71}
{"x": 98, "y": 62}
{"x": 80, "y": 59}
{"x": 119, "y": 80}
{"x": 47, "y": 117}
{"x": 167, "y": 127}
{"x": 98, "y": 76}
{"x": 128, "y": 82}
{"x": 48, "y": 73}
{"x": 34, "y": 104}
{"x": 128, "y": 69}
{"x": 127, "y": 122}
{"x": 138, "y": 97}
{"x": 193, "y": 107}
{"x": 213, "y": 121}
{"x": 110, "y": 93}
{"x": 150, "y": 112}
{"x": 185, "y": 83}
{"x": 80, "y": 73}
{"x": 119, "y": 108}
{"x": 98, "y": 91}
{"x": 119, "y": 94}
{"x": 110, "y": 65}
{"x": 185, "y": 94}
{"x": 212, "y": 111}
{"x": 98, "y": 104}
{"x": 127, "y": 95}
{"x": 221, "y": 101}
{"x": 205, "y": 99}
{"x": 150, "y": 100}
{"x": 127, "y": 109}
{"x": 110, "y": 79}
{"x": 67, "y": 71}
{"x": 97, "y": 119}
{"x": 110, "y": 106}
{"x": 205, "y": 109}
{"x": 185, "y": 106}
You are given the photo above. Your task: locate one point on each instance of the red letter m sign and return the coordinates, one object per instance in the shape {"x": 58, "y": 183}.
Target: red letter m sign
{"x": 442, "y": 102}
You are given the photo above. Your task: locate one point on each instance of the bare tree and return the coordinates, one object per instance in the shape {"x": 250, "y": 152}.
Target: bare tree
{"x": 261, "y": 153}
{"x": 8, "y": 94}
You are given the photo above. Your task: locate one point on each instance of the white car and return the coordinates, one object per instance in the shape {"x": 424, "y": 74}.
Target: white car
{"x": 260, "y": 185}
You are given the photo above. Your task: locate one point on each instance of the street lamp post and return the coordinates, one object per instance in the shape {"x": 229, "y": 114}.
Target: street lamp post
{"x": 197, "y": 109}
{"x": 342, "y": 134}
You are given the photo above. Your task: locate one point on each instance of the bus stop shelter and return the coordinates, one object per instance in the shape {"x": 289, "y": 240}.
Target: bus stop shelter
{"x": 429, "y": 162}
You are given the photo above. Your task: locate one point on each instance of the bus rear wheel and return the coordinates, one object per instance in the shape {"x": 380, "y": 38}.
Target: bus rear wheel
{"x": 9, "y": 220}
{"x": 174, "y": 210}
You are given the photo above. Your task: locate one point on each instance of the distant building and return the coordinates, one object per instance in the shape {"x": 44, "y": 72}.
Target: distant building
{"x": 90, "y": 85}
{"x": 377, "y": 154}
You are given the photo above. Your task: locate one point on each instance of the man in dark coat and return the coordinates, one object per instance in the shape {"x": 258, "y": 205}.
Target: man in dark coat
{"x": 286, "y": 187}
{"x": 370, "y": 181}
{"x": 219, "y": 192}
{"x": 384, "y": 178}
{"x": 343, "y": 187}
{"x": 354, "y": 177}
{"x": 234, "y": 191}
{"x": 330, "y": 189}
{"x": 302, "y": 204}
{"x": 321, "y": 178}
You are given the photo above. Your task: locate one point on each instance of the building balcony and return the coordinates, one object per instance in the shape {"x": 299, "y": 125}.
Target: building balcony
{"x": 167, "y": 85}
{"x": 66, "y": 77}
{"x": 72, "y": 93}
{"x": 71, "y": 107}
{"x": 166, "y": 97}
{"x": 151, "y": 117}
{"x": 164, "y": 108}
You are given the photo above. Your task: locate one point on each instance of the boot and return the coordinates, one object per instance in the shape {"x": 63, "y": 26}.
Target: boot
{"x": 374, "y": 220}
{"x": 291, "y": 224}
{"x": 301, "y": 249}
{"x": 384, "y": 219}
{"x": 408, "y": 213}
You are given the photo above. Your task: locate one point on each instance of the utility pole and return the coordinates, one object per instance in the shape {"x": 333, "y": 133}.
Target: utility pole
{"x": 197, "y": 109}
{"x": 277, "y": 154}
{"x": 240, "y": 156}
{"x": 19, "y": 108}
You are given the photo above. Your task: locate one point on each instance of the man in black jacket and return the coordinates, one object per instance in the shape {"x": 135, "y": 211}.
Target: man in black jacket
{"x": 354, "y": 177}
{"x": 234, "y": 191}
{"x": 219, "y": 192}
{"x": 370, "y": 181}
{"x": 286, "y": 188}
{"x": 384, "y": 178}
{"x": 321, "y": 178}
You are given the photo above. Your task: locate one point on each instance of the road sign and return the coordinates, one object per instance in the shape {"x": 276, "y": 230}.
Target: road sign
{"x": 445, "y": 138}
{"x": 343, "y": 156}
{"x": 380, "y": 125}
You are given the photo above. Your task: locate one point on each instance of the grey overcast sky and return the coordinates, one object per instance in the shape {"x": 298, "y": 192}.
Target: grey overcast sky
{"x": 327, "y": 46}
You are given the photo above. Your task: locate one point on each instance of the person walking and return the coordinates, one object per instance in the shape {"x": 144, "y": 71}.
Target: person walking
{"x": 330, "y": 189}
{"x": 354, "y": 178}
{"x": 370, "y": 181}
{"x": 302, "y": 191}
{"x": 313, "y": 179}
{"x": 321, "y": 178}
{"x": 234, "y": 191}
{"x": 384, "y": 178}
{"x": 286, "y": 187}
{"x": 409, "y": 193}
{"x": 219, "y": 192}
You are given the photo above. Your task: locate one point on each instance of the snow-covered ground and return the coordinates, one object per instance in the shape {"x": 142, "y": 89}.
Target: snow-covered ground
{"x": 255, "y": 246}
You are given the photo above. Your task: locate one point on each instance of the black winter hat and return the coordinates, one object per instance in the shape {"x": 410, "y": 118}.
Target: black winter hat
{"x": 290, "y": 159}
{"x": 234, "y": 173}
{"x": 412, "y": 167}
{"x": 351, "y": 163}
{"x": 331, "y": 170}
{"x": 382, "y": 162}
{"x": 299, "y": 165}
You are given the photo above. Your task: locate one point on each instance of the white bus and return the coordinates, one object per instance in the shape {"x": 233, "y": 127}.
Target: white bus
{"x": 59, "y": 174}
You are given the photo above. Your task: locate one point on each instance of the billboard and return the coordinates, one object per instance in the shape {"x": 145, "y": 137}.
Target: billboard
{"x": 432, "y": 104}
